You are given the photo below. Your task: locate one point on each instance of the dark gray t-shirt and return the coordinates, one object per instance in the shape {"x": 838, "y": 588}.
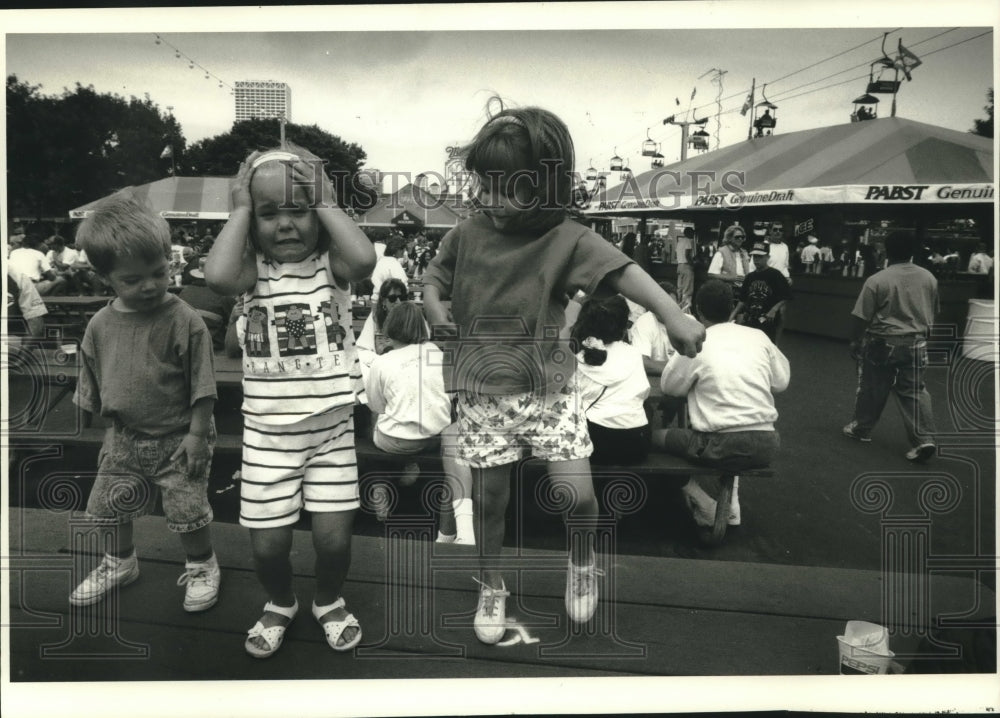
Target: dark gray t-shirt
{"x": 146, "y": 369}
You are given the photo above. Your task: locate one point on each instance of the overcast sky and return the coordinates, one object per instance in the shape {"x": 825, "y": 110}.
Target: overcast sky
{"x": 406, "y": 82}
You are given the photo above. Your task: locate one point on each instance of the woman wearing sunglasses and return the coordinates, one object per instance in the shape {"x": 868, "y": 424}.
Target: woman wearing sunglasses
{"x": 731, "y": 263}
{"x": 372, "y": 342}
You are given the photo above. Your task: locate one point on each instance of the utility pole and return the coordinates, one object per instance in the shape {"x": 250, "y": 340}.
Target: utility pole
{"x": 672, "y": 120}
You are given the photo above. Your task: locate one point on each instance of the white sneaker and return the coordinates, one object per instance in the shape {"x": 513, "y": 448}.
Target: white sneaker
{"x": 734, "y": 505}
{"x": 734, "y": 512}
{"x": 110, "y": 572}
{"x": 581, "y": 592}
{"x": 703, "y": 508}
{"x": 701, "y": 505}
{"x": 445, "y": 538}
{"x": 201, "y": 579}
{"x": 921, "y": 453}
{"x": 491, "y": 615}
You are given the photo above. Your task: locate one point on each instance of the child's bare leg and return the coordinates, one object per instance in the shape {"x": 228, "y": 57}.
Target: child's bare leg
{"x": 456, "y": 507}
{"x": 584, "y": 509}
{"x": 331, "y": 534}
{"x": 197, "y": 544}
{"x": 491, "y": 492}
{"x": 271, "y": 548}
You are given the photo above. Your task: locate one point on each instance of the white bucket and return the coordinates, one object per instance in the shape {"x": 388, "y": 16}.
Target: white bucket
{"x": 980, "y": 338}
{"x": 864, "y": 649}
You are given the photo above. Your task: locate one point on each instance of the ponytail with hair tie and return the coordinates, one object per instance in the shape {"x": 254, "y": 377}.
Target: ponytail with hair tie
{"x": 595, "y": 352}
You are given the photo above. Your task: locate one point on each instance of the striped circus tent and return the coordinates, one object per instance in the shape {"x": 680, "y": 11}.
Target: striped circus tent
{"x": 888, "y": 161}
{"x": 179, "y": 198}
{"x": 410, "y": 207}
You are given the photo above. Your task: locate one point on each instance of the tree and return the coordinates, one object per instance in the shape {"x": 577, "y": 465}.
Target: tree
{"x": 221, "y": 155}
{"x": 66, "y": 150}
{"x": 985, "y": 127}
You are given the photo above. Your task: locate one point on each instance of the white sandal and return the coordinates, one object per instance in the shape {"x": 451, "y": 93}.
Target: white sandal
{"x": 335, "y": 629}
{"x": 272, "y": 635}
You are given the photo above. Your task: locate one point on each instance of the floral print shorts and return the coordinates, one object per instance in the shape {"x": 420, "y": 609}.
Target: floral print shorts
{"x": 495, "y": 430}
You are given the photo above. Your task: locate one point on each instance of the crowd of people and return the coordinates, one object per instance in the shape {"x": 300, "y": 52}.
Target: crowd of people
{"x": 275, "y": 284}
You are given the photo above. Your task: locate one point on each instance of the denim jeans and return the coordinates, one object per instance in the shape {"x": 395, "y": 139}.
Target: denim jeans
{"x": 729, "y": 451}
{"x": 893, "y": 365}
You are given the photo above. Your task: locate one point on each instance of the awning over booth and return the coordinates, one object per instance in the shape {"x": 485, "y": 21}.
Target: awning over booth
{"x": 884, "y": 161}
{"x": 412, "y": 208}
{"x": 179, "y": 198}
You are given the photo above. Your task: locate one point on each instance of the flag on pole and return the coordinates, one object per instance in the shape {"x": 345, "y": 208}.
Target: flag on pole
{"x": 693, "y": 91}
{"x": 747, "y": 104}
{"x": 678, "y": 101}
{"x": 168, "y": 151}
{"x": 906, "y": 61}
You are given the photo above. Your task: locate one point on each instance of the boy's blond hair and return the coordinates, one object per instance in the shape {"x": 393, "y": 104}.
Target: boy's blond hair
{"x": 123, "y": 226}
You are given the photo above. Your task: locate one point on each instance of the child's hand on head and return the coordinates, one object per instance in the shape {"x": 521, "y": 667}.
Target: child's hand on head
{"x": 319, "y": 189}
{"x": 241, "y": 186}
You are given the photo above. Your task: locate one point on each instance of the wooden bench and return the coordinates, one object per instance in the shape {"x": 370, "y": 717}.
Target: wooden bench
{"x": 657, "y": 466}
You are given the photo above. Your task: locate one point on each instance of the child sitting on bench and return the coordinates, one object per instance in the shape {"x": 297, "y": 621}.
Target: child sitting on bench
{"x": 405, "y": 387}
{"x": 729, "y": 388}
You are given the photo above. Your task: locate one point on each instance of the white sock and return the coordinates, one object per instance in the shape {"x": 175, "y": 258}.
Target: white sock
{"x": 463, "y": 519}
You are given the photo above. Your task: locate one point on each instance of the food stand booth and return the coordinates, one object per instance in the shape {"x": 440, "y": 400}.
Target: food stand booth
{"x": 846, "y": 184}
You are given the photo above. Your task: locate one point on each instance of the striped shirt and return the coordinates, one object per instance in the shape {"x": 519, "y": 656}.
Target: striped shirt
{"x": 299, "y": 358}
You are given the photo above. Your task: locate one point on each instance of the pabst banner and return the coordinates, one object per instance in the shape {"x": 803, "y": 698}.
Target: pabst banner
{"x": 631, "y": 202}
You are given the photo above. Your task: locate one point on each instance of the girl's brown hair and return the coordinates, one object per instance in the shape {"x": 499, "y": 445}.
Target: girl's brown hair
{"x": 527, "y": 146}
{"x": 405, "y": 324}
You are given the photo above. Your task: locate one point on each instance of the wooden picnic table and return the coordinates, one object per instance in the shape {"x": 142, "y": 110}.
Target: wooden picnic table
{"x": 72, "y": 311}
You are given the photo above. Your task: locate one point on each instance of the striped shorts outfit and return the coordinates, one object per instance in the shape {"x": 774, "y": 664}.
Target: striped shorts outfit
{"x": 301, "y": 380}
{"x": 310, "y": 464}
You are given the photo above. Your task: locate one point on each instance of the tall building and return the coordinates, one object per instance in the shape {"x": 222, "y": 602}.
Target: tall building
{"x": 255, "y": 98}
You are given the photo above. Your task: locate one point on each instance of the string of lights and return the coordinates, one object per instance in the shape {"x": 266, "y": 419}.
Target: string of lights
{"x": 209, "y": 75}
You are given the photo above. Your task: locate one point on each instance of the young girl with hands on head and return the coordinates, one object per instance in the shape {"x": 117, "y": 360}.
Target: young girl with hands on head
{"x": 292, "y": 253}
{"x": 509, "y": 270}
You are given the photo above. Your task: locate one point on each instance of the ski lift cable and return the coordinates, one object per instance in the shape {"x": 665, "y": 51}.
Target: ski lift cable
{"x": 865, "y": 76}
{"x": 832, "y": 57}
{"x": 932, "y": 52}
{"x": 741, "y": 94}
{"x": 784, "y": 96}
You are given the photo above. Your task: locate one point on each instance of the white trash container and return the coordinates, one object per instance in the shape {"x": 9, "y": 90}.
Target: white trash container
{"x": 980, "y": 338}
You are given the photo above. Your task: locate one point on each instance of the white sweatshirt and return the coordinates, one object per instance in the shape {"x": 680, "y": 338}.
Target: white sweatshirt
{"x": 612, "y": 394}
{"x": 406, "y": 388}
{"x": 729, "y": 385}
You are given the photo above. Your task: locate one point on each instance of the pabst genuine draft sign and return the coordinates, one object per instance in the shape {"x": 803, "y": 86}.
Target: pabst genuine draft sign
{"x": 843, "y": 194}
